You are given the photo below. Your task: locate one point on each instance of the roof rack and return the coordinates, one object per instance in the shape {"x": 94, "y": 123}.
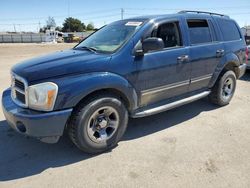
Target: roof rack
{"x": 202, "y": 12}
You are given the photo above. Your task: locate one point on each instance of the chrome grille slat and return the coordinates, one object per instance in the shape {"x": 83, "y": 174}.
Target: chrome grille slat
{"x": 19, "y": 90}
{"x": 19, "y": 84}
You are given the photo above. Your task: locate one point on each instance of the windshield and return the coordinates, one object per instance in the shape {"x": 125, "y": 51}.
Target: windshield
{"x": 111, "y": 37}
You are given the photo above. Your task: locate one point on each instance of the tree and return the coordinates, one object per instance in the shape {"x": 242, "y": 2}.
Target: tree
{"x": 58, "y": 28}
{"x": 50, "y": 22}
{"x": 90, "y": 27}
{"x": 73, "y": 25}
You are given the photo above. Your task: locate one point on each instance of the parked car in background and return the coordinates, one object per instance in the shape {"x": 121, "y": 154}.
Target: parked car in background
{"x": 130, "y": 68}
{"x": 72, "y": 38}
{"x": 248, "y": 55}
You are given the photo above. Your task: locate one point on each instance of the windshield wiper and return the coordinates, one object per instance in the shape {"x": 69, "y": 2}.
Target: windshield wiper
{"x": 92, "y": 49}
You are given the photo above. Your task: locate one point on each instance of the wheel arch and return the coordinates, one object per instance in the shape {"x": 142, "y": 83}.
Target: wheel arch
{"x": 112, "y": 91}
{"x": 228, "y": 62}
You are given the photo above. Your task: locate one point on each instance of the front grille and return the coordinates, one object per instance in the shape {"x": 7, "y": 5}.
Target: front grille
{"x": 20, "y": 97}
{"x": 18, "y": 90}
{"x": 19, "y": 85}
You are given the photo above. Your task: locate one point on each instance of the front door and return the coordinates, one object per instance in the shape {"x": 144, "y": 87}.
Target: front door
{"x": 166, "y": 73}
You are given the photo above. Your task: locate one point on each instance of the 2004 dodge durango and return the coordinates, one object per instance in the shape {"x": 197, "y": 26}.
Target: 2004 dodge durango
{"x": 130, "y": 68}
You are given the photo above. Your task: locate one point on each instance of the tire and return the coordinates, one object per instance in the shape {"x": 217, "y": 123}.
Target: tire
{"x": 224, "y": 89}
{"x": 98, "y": 124}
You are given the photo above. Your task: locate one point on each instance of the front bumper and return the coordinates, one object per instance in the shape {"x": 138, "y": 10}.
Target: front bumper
{"x": 47, "y": 127}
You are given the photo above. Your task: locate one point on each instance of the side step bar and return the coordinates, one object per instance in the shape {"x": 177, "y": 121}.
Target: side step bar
{"x": 170, "y": 106}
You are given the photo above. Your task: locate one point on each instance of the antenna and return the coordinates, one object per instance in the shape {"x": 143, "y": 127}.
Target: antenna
{"x": 122, "y": 13}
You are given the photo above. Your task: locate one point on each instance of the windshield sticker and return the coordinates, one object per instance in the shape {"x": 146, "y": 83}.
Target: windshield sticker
{"x": 133, "y": 24}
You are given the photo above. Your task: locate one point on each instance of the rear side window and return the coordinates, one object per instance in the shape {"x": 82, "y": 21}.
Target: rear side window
{"x": 199, "y": 31}
{"x": 229, "y": 30}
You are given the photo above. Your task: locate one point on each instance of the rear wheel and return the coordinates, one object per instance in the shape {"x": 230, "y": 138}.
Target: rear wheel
{"x": 97, "y": 125}
{"x": 224, "y": 89}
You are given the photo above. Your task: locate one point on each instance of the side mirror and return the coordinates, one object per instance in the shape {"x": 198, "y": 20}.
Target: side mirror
{"x": 149, "y": 44}
{"x": 152, "y": 44}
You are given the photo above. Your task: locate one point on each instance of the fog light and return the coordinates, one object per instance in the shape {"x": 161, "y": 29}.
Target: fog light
{"x": 20, "y": 126}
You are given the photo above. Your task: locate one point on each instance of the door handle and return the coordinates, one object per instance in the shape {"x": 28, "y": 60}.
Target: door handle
{"x": 183, "y": 58}
{"x": 220, "y": 53}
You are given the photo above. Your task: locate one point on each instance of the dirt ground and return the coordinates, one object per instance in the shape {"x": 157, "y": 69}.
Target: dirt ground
{"x": 197, "y": 145}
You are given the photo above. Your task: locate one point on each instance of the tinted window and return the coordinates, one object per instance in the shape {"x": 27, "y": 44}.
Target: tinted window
{"x": 199, "y": 31}
{"x": 212, "y": 29}
{"x": 169, "y": 33}
{"x": 229, "y": 30}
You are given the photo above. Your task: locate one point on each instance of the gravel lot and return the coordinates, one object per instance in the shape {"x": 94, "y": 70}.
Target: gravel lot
{"x": 197, "y": 145}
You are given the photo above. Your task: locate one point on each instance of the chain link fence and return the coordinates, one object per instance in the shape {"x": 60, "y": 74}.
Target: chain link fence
{"x": 34, "y": 37}
{"x": 22, "y": 38}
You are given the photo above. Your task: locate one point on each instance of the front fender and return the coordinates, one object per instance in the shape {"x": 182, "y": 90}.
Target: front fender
{"x": 73, "y": 89}
{"x": 225, "y": 60}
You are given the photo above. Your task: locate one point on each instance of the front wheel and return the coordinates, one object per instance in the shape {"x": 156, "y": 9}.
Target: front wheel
{"x": 224, "y": 89}
{"x": 98, "y": 125}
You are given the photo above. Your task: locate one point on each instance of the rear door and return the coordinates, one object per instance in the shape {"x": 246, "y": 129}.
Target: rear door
{"x": 233, "y": 40}
{"x": 205, "y": 52}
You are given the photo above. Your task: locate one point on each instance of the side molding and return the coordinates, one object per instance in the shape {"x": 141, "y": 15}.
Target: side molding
{"x": 170, "y": 106}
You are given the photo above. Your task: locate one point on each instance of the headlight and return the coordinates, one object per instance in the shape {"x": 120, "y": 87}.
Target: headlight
{"x": 42, "y": 96}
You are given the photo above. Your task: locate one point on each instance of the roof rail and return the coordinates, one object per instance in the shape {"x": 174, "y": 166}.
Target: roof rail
{"x": 202, "y": 12}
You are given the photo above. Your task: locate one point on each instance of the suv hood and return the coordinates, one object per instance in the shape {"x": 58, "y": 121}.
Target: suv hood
{"x": 61, "y": 63}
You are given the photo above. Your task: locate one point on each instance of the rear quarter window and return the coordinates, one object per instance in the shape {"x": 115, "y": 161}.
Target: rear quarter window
{"x": 229, "y": 30}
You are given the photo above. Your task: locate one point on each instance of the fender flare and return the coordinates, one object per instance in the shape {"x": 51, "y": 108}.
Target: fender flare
{"x": 73, "y": 89}
{"x": 229, "y": 59}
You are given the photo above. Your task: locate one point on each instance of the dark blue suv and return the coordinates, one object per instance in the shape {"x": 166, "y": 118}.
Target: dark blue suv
{"x": 130, "y": 68}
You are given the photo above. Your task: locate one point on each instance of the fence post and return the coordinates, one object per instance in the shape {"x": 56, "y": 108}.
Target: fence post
{"x": 31, "y": 38}
{"x": 2, "y": 39}
{"x": 21, "y": 38}
{"x": 12, "y": 38}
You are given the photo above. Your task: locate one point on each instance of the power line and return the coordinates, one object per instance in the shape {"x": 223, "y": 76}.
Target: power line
{"x": 88, "y": 18}
{"x": 232, "y": 14}
{"x": 122, "y": 10}
{"x": 23, "y": 24}
{"x": 64, "y": 16}
{"x": 177, "y": 9}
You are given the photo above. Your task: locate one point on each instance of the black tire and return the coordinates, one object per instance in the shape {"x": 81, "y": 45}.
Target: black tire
{"x": 79, "y": 126}
{"x": 218, "y": 95}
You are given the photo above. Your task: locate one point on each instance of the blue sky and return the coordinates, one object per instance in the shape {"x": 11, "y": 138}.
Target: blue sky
{"x": 26, "y": 14}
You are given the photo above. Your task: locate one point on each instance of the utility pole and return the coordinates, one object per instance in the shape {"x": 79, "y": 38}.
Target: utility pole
{"x": 68, "y": 8}
{"x": 39, "y": 23}
{"x": 69, "y": 13}
{"x": 122, "y": 13}
{"x": 14, "y": 27}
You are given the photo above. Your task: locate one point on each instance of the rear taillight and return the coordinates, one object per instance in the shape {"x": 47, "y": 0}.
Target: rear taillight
{"x": 247, "y": 54}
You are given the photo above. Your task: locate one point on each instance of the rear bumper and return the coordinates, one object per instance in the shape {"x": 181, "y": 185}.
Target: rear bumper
{"x": 241, "y": 70}
{"x": 47, "y": 127}
{"x": 248, "y": 64}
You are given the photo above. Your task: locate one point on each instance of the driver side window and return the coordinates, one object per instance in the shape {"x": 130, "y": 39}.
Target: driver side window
{"x": 169, "y": 33}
